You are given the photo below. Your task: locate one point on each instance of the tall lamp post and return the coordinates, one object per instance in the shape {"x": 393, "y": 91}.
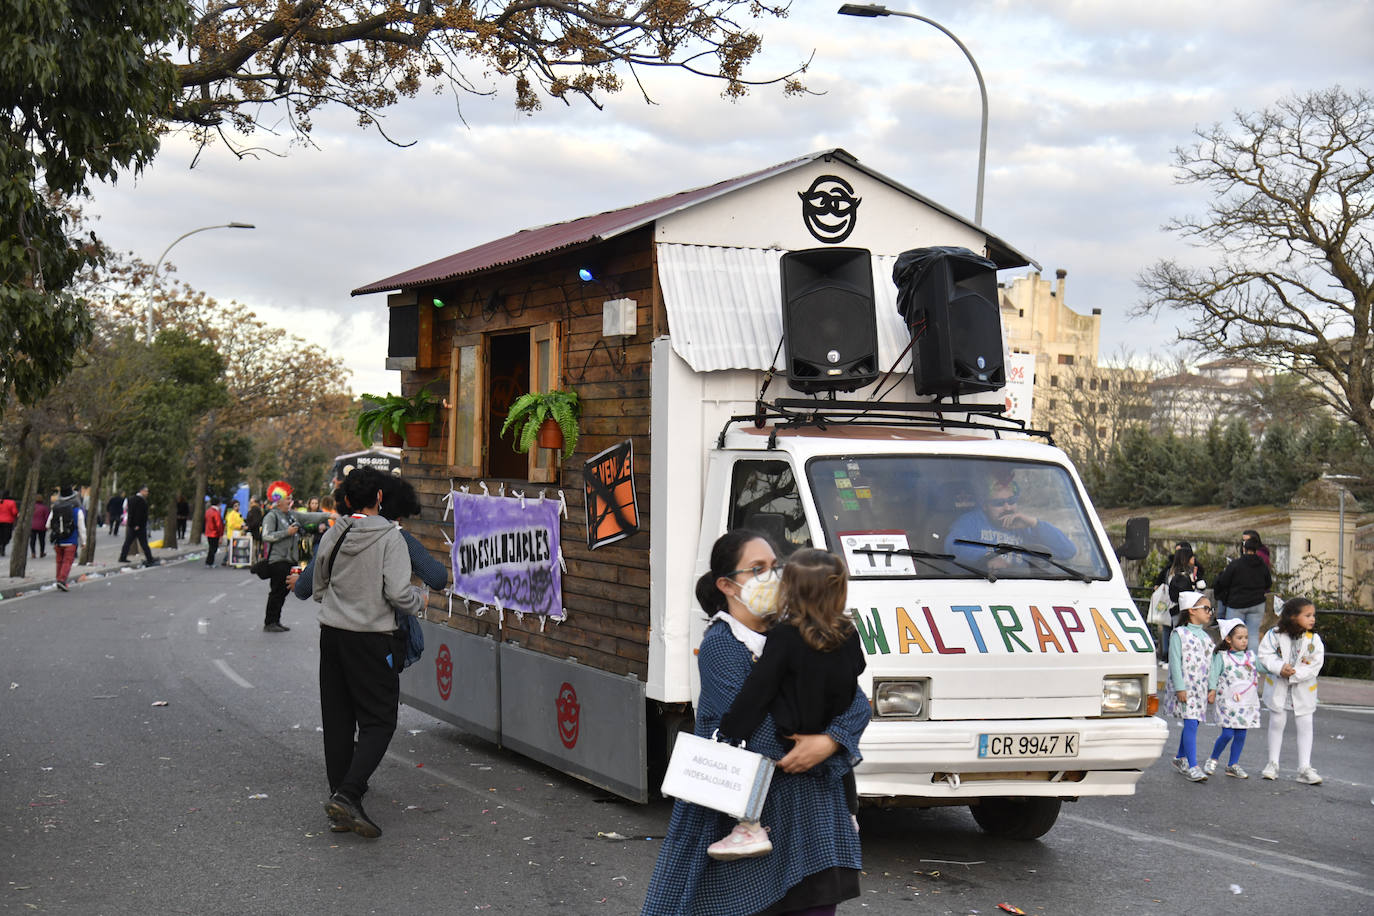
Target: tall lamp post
{"x": 873, "y": 10}
{"x": 149, "y": 327}
{"x": 1341, "y": 480}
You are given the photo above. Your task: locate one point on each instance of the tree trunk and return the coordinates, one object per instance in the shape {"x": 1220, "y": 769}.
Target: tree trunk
{"x": 169, "y": 525}
{"x": 202, "y": 479}
{"x": 98, "y": 447}
{"x": 19, "y": 543}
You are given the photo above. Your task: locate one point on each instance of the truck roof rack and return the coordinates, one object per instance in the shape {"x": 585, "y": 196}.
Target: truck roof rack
{"x": 799, "y": 413}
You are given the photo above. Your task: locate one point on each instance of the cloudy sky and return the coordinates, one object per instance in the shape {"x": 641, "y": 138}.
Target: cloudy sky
{"x": 1087, "y": 100}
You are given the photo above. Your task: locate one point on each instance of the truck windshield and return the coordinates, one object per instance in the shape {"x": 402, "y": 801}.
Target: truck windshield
{"x": 935, "y": 517}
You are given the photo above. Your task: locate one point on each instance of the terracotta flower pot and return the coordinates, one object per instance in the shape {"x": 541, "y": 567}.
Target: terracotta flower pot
{"x": 417, "y": 434}
{"x": 391, "y": 440}
{"x": 550, "y": 435}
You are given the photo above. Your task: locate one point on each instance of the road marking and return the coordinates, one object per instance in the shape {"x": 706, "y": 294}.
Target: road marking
{"x": 218, "y": 597}
{"x": 1291, "y": 858}
{"x": 230, "y": 673}
{"x": 1196, "y": 850}
{"x": 492, "y": 797}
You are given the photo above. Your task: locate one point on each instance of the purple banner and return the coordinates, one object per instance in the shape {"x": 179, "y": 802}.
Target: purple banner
{"x": 506, "y": 555}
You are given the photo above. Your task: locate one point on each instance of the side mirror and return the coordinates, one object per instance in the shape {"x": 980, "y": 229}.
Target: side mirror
{"x": 1137, "y": 546}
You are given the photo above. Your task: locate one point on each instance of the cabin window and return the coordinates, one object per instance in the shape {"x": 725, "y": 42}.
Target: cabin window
{"x": 764, "y": 498}
{"x": 487, "y": 372}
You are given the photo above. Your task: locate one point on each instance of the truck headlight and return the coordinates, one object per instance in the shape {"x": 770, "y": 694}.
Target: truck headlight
{"x": 905, "y": 699}
{"x": 1123, "y": 695}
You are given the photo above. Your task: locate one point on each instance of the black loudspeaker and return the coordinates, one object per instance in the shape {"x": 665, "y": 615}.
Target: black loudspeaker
{"x": 828, "y": 324}
{"x": 948, "y": 297}
{"x": 403, "y": 331}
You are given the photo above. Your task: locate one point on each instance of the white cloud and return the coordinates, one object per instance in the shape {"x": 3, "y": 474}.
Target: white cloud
{"x": 1087, "y": 100}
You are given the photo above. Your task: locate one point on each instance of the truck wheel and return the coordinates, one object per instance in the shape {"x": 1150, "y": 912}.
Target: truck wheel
{"x": 1016, "y": 818}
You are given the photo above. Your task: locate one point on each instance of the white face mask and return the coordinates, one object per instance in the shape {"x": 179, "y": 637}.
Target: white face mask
{"x": 760, "y": 594}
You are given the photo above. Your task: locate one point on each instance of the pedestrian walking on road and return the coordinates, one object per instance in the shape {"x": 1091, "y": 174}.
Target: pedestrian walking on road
{"x": 1291, "y": 655}
{"x": 253, "y": 522}
{"x": 362, "y": 581}
{"x": 67, "y": 522}
{"x": 114, "y": 513}
{"x": 38, "y": 528}
{"x": 136, "y": 519}
{"x": 233, "y": 524}
{"x": 9, "y": 513}
{"x": 1233, "y": 686}
{"x": 214, "y": 530}
{"x": 183, "y": 515}
{"x": 1190, "y": 658}
{"x": 1242, "y": 585}
{"x": 280, "y": 534}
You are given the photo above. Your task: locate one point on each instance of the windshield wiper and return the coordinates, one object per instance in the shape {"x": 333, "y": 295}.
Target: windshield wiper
{"x": 928, "y": 556}
{"x": 1004, "y": 547}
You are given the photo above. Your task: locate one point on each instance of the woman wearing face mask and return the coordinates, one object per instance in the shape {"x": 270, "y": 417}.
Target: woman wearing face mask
{"x": 815, "y": 860}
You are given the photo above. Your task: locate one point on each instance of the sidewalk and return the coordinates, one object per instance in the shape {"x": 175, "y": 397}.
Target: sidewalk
{"x": 41, "y": 574}
{"x": 1332, "y": 691}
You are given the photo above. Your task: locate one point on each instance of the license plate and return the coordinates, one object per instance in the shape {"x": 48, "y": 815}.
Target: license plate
{"x": 1009, "y": 746}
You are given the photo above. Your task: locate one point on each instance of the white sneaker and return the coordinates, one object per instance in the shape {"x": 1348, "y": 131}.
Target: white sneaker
{"x": 1195, "y": 774}
{"x": 1271, "y": 770}
{"x": 1181, "y": 764}
{"x": 1210, "y": 766}
{"x": 1236, "y": 771}
{"x": 744, "y": 842}
{"x": 1309, "y": 776}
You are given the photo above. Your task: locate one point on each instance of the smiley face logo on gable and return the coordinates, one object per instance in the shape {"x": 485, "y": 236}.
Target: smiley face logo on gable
{"x": 830, "y": 209}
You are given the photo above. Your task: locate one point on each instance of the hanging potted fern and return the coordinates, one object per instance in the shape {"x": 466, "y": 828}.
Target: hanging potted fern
{"x": 419, "y": 414}
{"x": 385, "y": 416}
{"x": 550, "y": 417}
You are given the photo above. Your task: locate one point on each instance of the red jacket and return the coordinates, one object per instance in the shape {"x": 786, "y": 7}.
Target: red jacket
{"x": 214, "y": 523}
{"x": 9, "y": 511}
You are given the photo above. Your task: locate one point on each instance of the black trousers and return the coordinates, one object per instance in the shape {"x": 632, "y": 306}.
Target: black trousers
{"x": 213, "y": 545}
{"x": 132, "y": 534}
{"x": 277, "y": 596}
{"x": 359, "y": 694}
{"x": 6, "y": 531}
{"x": 38, "y": 541}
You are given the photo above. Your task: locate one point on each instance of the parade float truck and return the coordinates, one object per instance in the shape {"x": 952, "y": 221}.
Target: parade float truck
{"x": 831, "y": 374}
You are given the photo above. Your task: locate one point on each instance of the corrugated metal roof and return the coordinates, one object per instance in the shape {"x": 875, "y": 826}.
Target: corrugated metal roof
{"x": 531, "y": 243}
{"x": 724, "y": 307}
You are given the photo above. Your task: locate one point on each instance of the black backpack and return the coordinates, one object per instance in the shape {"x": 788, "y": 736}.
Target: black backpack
{"x": 64, "y": 523}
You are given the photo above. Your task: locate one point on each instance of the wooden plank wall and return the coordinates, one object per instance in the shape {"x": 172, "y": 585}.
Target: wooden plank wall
{"x": 606, "y": 591}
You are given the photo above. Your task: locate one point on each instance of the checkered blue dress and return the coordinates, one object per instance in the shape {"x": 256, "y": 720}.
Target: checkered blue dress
{"x": 810, "y": 824}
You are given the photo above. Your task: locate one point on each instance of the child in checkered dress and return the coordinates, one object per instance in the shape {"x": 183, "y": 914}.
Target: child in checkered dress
{"x": 1190, "y": 657}
{"x": 1233, "y": 683}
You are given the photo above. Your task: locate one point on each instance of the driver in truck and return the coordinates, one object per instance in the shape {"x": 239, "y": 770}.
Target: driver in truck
{"x": 998, "y": 534}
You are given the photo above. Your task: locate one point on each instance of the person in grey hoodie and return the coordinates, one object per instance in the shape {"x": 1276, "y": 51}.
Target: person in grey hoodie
{"x": 361, "y": 586}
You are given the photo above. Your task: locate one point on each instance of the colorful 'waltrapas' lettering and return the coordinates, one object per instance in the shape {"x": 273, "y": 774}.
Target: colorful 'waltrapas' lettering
{"x": 1025, "y": 630}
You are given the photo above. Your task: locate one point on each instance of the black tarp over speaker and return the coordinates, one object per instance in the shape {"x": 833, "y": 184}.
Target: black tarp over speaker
{"x": 830, "y": 330}
{"x": 948, "y": 297}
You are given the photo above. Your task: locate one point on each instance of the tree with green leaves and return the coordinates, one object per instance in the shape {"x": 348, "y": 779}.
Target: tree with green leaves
{"x": 1290, "y": 229}
{"x": 89, "y": 88}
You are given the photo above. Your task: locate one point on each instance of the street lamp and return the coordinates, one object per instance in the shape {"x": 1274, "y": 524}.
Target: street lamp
{"x": 149, "y": 327}
{"x": 873, "y": 10}
{"x": 1341, "y": 480}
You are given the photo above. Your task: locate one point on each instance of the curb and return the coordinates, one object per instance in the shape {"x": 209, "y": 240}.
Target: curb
{"x": 37, "y": 584}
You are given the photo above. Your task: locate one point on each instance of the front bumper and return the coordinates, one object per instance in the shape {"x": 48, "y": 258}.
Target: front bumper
{"x": 939, "y": 760}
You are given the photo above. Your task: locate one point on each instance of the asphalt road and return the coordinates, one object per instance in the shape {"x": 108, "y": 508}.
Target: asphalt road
{"x": 213, "y": 803}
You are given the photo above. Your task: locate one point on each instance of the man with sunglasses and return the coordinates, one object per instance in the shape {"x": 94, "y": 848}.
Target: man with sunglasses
{"x": 999, "y": 519}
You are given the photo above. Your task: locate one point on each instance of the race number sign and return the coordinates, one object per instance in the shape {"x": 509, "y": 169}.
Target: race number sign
{"x": 874, "y": 553}
{"x": 505, "y": 553}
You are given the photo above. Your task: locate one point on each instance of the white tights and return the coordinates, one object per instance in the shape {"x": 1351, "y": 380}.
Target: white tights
{"x": 1302, "y": 724}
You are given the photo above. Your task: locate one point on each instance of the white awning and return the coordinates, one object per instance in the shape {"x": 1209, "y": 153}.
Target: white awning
{"x": 724, "y": 307}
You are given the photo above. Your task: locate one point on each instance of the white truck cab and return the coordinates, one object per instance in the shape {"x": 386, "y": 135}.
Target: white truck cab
{"x": 1008, "y": 667}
